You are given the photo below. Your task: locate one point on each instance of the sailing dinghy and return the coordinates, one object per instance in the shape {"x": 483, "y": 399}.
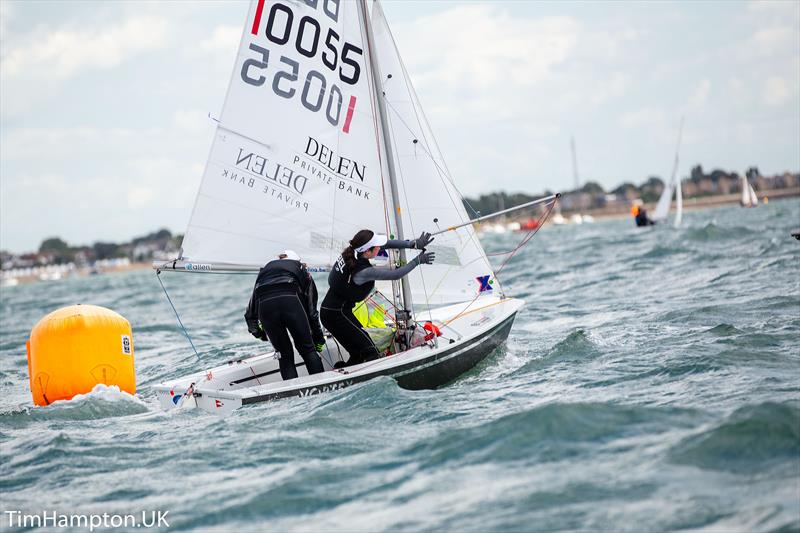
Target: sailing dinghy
{"x": 672, "y": 188}
{"x": 321, "y": 134}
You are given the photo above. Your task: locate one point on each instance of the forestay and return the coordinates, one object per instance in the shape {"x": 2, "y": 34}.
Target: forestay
{"x": 428, "y": 198}
{"x": 295, "y": 161}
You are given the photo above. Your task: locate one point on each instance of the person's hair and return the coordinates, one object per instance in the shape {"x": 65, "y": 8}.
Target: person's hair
{"x": 359, "y": 239}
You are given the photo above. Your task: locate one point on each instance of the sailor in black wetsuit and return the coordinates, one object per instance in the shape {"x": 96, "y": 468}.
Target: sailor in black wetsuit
{"x": 285, "y": 298}
{"x": 352, "y": 279}
{"x": 642, "y": 219}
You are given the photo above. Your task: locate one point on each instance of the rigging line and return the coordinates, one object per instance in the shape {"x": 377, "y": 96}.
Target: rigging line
{"x": 418, "y": 106}
{"x": 522, "y": 243}
{"x": 439, "y": 170}
{"x": 471, "y": 235}
{"x": 158, "y": 275}
{"x": 413, "y": 231}
{"x": 459, "y": 206}
{"x": 400, "y": 291}
{"x": 445, "y": 178}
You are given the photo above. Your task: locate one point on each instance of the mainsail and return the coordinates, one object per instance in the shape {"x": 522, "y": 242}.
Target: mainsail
{"x": 295, "y": 161}
{"x": 428, "y": 198}
{"x": 298, "y": 160}
{"x": 673, "y": 187}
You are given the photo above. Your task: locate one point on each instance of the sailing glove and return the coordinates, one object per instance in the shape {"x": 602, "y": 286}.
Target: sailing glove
{"x": 424, "y": 240}
{"x": 257, "y": 330}
{"x": 426, "y": 258}
{"x": 320, "y": 346}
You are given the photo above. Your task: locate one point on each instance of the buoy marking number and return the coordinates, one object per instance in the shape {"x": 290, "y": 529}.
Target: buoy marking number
{"x": 126, "y": 344}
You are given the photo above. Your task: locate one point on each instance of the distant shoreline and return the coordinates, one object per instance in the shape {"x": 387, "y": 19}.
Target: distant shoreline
{"x": 44, "y": 275}
{"x": 689, "y": 204}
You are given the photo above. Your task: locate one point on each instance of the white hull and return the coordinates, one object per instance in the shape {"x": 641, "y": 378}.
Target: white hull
{"x": 466, "y": 340}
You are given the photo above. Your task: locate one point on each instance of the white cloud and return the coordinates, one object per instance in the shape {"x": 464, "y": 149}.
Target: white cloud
{"x": 776, "y": 91}
{"x": 701, "y": 93}
{"x": 771, "y": 40}
{"x": 778, "y": 8}
{"x": 62, "y": 53}
{"x": 223, "y": 39}
{"x": 647, "y": 117}
{"x": 481, "y": 47}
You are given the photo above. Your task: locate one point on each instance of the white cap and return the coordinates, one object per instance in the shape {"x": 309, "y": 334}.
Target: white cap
{"x": 376, "y": 240}
{"x": 289, "y": 254}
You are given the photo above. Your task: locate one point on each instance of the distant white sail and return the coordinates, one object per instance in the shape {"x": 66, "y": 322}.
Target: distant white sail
{"x": 428, "y": 198}
{"x": 749, "y": 198}
{"x": 673, "y": 187}
{"x": 753, "y": 197}
{"x": 295, "y": 161}
{"x": 662, "y": 208}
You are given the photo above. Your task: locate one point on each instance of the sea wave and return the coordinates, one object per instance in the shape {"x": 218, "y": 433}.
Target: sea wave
{"x": 753, "y": 439}
{"x": 102, "y": 402}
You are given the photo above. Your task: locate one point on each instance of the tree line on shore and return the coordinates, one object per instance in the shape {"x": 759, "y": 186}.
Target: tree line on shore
{"x": 592, "y": 195}
{"x": 54, "y": 250}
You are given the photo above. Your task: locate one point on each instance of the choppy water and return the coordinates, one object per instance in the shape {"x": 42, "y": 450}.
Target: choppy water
{"x": 652, "y": 382}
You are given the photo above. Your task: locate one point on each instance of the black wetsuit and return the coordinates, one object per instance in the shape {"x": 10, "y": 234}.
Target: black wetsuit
{"x": 643, "y": 220}
{"x": 285, "y": 299}
{"x": 347, "y": 288}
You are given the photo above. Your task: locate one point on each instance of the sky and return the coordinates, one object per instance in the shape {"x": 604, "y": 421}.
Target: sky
{"x": 104, "y": 106}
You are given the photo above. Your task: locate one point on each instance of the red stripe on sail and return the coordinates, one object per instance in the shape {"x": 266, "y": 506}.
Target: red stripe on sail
{"x": 350, "y": 107}
{"x": 257, "y": 20}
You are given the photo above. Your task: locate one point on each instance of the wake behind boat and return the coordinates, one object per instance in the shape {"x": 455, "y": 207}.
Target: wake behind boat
{"x": 321, "y": 134}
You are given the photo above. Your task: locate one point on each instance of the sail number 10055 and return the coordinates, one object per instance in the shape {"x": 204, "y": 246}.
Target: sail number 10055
{"x": 279, "y": 29}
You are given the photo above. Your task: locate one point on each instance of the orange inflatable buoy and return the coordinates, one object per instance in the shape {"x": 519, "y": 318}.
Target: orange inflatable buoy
{"x": 77, "y": 347}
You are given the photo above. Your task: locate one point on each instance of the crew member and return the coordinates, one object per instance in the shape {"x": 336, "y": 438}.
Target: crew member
{"x": 352, "y": 279}
{"x": 285, "y": 298}
{"x": 640, "y": 216}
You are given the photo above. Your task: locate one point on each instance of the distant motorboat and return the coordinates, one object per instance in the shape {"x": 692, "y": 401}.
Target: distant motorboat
{"x": 576, "y": 219}
{"x": 588, "y": 219}
{"x": 558, "y": 219}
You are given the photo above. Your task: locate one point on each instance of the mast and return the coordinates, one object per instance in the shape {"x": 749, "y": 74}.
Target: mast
{"x": 387, "y": 144}
{"x": 677, "y": 151}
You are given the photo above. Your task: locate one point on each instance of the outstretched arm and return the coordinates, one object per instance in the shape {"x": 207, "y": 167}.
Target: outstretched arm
{"x": 419, "y": 243}
{"x": 386, "y": 273}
